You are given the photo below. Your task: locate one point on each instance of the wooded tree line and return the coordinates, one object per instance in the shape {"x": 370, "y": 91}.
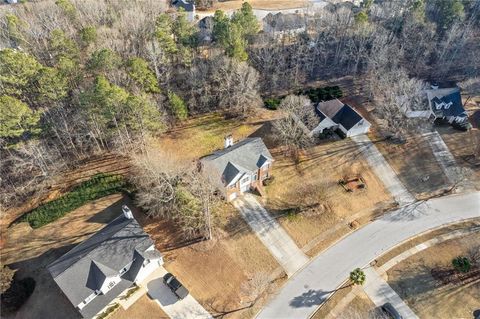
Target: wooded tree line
{"x": 79, "y": 77}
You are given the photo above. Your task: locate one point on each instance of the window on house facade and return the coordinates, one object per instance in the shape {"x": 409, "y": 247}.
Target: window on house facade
{"x": 245, "y": 180}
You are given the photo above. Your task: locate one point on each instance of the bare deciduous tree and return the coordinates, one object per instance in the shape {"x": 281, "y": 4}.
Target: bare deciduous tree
{"x": 177, "y": 191}
{"x": 294, "y": 128}
{"x": 394, "y": 94}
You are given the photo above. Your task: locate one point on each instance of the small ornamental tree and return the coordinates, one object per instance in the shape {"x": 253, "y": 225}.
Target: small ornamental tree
{"x": 462, "y": 264}
{"x": 357, "y": 277}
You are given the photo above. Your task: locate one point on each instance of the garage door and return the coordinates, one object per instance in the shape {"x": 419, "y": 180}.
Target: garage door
{"x": 232, "y": 196}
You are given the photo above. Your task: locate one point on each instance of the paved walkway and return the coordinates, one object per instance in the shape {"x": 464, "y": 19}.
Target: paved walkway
{"x": 383, "y": 170}
{"x": 173, "y": 307}
{"x": 443, "y": 155}
{"x": 427, "y": 244}
{"x": 337, "y": 311}
{"x": 310, "y": 287}
{"x": 380, "y": 292}
{"x": 272, "y": 235}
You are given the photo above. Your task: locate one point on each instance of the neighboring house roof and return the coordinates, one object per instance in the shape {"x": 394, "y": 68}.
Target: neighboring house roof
{"x": 84, "y": 269}
{"x": 347, "y": 117}
{"x": 188, "y": 6}
{"x": 282, "y": 22}
{"x": 331, "y": 107}
{"x": 446, "y": 102}
{"x": 227, "y": 165}
{"x": 325, "y": 121}
{"x": 339, "y": 113}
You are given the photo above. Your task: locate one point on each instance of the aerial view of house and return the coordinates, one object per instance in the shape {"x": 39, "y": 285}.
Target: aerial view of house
{"x": 334, "y": 115}
{"x": 240, "y": 159}
{"x": 446, "y": 104}
{"x": 239, "y": 167}
{"x": 103, "y": 267}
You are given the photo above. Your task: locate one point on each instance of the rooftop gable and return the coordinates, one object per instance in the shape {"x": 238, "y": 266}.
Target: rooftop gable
{"x": 243, "y": 157}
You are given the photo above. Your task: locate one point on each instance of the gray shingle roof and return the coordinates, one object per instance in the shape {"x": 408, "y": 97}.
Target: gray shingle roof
{"x": 340, "y": 113}
{"x": 246, "y": 156}
{"x": 83, "y": 269}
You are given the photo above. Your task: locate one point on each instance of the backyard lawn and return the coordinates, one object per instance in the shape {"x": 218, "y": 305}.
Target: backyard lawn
{"x": 430, "y": 286}
{"x": 199, "y": 136}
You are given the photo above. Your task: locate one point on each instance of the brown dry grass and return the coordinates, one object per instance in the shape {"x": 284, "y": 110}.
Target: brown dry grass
{"x": 412, "y": 161}
{"x": 316, "y": 177}
{"x": 421, "y": 239}
{"x": 360, "y": 307}
{"x": 215, "y": 271}
{"x": 32, "y": 250}
{"x": 430, "y": 298}
{"x": 462, "y": 145}
{"x": 260, "y": 4}
{"x": 328, "y": 306}
{"x": 200, "y": 136}
{"x": 22, "y": 242}
{"x": 62, "y": 183}
{"x": 143, "y": 308}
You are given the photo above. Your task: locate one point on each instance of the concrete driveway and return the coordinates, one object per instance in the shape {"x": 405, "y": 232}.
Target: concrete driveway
{"x": 383, "y": 170}
{"x": 173, "y": 307}
{"x": 272, "y": 235}
{"x": 310, "y": 287}
{"x": 380, "y": 292}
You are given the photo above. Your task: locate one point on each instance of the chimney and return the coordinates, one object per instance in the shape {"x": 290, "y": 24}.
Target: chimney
{"x": 127, "y": 212}
{"x": 228, "y": 141}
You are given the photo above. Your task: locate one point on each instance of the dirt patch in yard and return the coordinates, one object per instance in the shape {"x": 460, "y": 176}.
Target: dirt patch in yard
{"x": 307, "y": 198}
{"x": 416, "y": 280}
{"x": 413, "y": 161}
{"x": 143, "y": 308}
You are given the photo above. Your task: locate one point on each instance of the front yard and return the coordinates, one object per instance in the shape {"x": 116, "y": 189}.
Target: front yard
{"x": 298, "y": 187}
{"x": 430, "y": 286}
{"x": 414, "y": 163}
{"x": 215, "y": 271}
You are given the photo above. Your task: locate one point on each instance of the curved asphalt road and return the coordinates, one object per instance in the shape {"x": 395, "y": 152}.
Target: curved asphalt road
{"x": 312, "y": 285}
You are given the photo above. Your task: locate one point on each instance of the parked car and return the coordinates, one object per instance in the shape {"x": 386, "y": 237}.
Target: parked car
{"x": 175, "y": 286}
{"x": 391, "y": 311}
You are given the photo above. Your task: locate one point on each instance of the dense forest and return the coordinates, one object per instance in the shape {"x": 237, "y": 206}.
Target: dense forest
{"x": 84, "y": 77}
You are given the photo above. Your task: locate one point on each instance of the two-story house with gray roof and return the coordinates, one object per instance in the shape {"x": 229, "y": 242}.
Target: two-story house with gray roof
{"x": 238, "y": 167}
{"x": 102, "y": 268}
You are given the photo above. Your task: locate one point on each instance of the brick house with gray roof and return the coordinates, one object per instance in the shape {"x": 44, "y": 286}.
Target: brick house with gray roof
{"x": 239, "y": 167}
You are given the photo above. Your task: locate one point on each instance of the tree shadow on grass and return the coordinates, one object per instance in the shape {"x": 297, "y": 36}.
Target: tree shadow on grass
{"x": 47, "y": 300}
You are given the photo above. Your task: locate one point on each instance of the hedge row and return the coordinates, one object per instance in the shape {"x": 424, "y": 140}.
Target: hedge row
{"x": 323, "y": 94}
{"x": 98, "y": 186}
{"x": 316, "y": 95}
